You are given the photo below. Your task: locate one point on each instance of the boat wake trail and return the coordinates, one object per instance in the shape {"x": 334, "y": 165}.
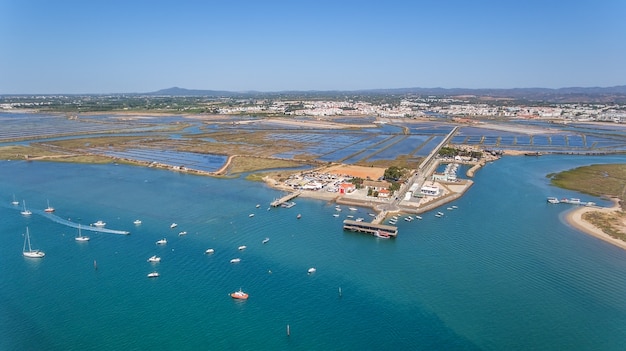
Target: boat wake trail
{"x": 68, "y": 223}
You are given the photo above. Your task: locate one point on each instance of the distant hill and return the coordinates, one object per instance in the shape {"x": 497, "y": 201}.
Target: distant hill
{"x": 571, "y": 94}
{"x": 176, "y": 91}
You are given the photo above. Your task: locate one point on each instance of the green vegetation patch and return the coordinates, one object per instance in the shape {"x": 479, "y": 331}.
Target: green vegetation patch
{"x": 597, "y": 180}
{"x": 243, "y": 164}
{"x": 21, "y": 152}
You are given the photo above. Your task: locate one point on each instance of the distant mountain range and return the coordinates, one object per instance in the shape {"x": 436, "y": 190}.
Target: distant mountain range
{"x": 572, "y": 94}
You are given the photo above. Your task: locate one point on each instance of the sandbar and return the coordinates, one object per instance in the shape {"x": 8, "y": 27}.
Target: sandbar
{"x": 574, "y": 218}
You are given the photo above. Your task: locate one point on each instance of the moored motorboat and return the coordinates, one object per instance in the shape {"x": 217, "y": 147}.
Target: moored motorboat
{"x": 311, "y": 270}
{"x": 239, "y": 295}
{"x": 182, "y": 233}
{"x": 161, "y": 242}
{"x": 381, "y": 235}
{"x": 235, "y": 260}
{"x": 209, "y": 251}
{"x": 154, "y": 258}
{"x": 137, "y": 222}
{"x": 153, "y": 274}
{"x": 553, "y": 200}
{"x": 173, "y": 225}
{"x": 242, "y": 247}
{"x": 265, "y": 240}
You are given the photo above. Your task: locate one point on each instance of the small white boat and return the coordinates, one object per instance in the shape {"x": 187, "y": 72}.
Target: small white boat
{"x": 209, "y": 251}
{"x": 418, "y": 217}
{"x": 14, "y": 202}
{"x": 25, "y": 212}
{"x": 440, "y": 213}
{"x": 137, "y": 222}
{"x": 251, "y": 215}
{"x": 153, "y": 275}
{"x": 450, "y": 209}
{"x": 258, "y": 205}
{"x": 265, "y": 240}
{"x": 335, "y": 215}
{"x": 161, "y": 242}
{"x": 455, "y": 207}
{"x": 242, "y": 247}
{"x": 360, "y": 219}
{"x": 173, "y": 225}
{"x": 154, "y": 258}
{"x": 352, "y": 208}
{"x": 30, "y": 253}
{"x": 311, "y": 270}
{"x": 49, "y": 209}
{"x": 182, "y": 233}
{"x": 80, "y": 237}
{"x": 299, "y": 216}
{"x": 99, "y": 224}
{"x": 235, "y": 260}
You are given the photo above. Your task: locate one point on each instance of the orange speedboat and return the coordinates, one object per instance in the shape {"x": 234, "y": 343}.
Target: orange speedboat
{"x": 240, "y": 295}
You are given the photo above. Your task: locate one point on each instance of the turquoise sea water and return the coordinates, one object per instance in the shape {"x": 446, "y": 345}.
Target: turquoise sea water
{"x": 501, "y": 272}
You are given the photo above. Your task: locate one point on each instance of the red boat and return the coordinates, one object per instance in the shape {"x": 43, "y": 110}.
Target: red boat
{"x": 240, "y": 295}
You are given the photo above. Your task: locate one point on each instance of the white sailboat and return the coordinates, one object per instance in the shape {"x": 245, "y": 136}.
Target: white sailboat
{"x": 80, "y": 237}
{"x": 26, "y": 212}
{"x": 14, "y": 202}
{"x": 30, "y": 252}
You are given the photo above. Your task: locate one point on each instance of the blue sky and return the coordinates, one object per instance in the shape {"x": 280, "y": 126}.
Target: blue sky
{"x": 111, "y": 46}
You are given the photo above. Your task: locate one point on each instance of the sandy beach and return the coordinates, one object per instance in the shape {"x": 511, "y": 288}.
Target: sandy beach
{"x": 574, "y": 218}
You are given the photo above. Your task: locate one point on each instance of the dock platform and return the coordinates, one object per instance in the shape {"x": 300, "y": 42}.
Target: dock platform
{"x": 285, "y": 199}
{"x": 369, "y": 228}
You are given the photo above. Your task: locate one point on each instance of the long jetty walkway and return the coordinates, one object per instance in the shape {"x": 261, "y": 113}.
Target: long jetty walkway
{"x": 285, "y": 198}
{"x": 424, "y": 170}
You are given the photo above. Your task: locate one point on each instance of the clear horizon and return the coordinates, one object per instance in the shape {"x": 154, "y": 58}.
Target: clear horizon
{"x": 75, "y": 47}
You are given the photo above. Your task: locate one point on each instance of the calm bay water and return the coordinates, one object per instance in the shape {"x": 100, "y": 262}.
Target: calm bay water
{"x": 501, "y": 272}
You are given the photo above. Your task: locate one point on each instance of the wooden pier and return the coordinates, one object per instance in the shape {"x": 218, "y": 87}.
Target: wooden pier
{"x": 284, "y": 199}
{"x": 369, "y": 228}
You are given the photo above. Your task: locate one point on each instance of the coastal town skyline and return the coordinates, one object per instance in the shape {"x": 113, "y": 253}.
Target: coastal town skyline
{"x": 115, "y": 47}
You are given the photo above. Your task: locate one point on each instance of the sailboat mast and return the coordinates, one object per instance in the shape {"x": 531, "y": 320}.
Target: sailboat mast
{"x": 27, "y": 239}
